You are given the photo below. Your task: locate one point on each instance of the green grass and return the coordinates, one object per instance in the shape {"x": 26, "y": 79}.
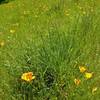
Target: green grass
{"x": 51, "y": 39}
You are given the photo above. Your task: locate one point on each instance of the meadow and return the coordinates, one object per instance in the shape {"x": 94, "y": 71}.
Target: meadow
{"x": 50, "y": 50}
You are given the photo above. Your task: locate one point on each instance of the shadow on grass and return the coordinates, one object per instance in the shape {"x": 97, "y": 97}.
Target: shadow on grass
{"x": 4, "y": 1}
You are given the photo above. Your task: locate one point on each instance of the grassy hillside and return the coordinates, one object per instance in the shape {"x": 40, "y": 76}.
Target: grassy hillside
{"x": 56, "y": 40}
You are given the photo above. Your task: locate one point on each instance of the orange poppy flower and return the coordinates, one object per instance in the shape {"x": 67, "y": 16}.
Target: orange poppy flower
{"x": 27, "y": 76}
{"x": 82, "y": 69}
{"x": 77, "y": 81}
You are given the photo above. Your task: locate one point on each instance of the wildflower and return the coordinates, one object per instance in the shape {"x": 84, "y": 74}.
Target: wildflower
{"x": 94, "y": 90}
{"x": 82, "y": 69}
{"x": 2, "y": 43}
{"x": 92, "y": 9}
{"x": 80, "y": 7}
{"x": 88, "y": 75}
{"x": 28, "y": 76}
{"x": 77, "y": 81}
{"x": 84, "y": 12}
{"x": 67, "y": 13}
{"x": 12, "y": 31}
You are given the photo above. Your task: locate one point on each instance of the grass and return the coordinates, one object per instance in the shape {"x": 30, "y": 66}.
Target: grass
{"x": 51, "y": 39}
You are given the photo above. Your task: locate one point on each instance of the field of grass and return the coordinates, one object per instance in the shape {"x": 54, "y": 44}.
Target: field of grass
{"x": 56, "y": 40}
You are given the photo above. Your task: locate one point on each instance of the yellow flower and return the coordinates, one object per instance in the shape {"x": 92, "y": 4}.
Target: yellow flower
{"x": 92, "y": 9}
{"x": 80, "y": 7}
{"x": 77, "y": 81}
{"x": 88, "y": 75}
{"x": 67, "y": 13}
{"x": 84, "y": 12}
{"x": 12, "y": 31}
{"x": 28, "y": 76}
{"x": 94, "y": 90}
{"x": 82, "y": 69}
{"x": 2, "y": 43}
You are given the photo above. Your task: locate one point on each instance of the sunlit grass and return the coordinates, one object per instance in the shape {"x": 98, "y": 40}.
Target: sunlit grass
{"x": 49, "y": 50}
